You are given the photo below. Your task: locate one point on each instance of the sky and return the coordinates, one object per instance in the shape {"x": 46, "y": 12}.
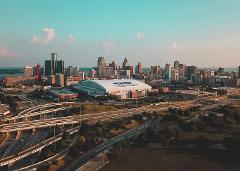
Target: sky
{"x": 204, "y": 33}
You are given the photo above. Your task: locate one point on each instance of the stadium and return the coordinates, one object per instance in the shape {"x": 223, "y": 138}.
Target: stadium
{"x": 122, "y": 88}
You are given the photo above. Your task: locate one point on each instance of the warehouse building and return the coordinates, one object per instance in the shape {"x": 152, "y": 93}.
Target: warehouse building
{"x": 122, "y": 88}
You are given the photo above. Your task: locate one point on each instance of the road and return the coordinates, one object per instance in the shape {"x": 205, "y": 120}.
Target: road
{"x": 75, "y": 119}
{"x": 41, "y": 135}
{"x": 93, "y": 117}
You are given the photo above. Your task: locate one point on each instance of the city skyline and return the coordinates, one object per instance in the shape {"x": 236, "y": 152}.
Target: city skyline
{"x": 204, "y": 33}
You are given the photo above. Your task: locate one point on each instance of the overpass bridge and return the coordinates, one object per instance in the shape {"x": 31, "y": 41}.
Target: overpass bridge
{"x": 41, "y": 114}
{"x": 44, "y": 107}
{"x": 70, "y": 120}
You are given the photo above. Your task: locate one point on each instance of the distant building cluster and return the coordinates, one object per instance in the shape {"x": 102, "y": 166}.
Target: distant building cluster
{"x": 120, "y": 80}
{"x": 181, "y": 74}
{"x": 114, "y": 71}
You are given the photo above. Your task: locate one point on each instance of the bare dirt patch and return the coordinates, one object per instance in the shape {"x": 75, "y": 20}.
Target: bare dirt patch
{"x": 146, "y": 159}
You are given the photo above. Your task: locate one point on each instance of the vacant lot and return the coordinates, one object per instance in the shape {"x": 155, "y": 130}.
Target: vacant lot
{"x": 146, "y": 159}
{"x": 98, "y": 108}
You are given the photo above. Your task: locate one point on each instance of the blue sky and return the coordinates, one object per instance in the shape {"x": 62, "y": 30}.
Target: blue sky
{"x": 200, "y": 32}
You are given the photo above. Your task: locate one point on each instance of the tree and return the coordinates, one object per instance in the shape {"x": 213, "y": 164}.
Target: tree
{"x": 141, "y": 140}
{"x": 84, "y": 128}
{"x": 151, "y": 134}
{"x": 99, "y": 132}
{"x": 74, "y": 150}
{"x": 202, "y": 141}
{"x": 82, "y": 142}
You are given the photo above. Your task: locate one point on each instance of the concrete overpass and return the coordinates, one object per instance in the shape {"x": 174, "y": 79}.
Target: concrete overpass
{"x": 92, "y": 118}
{"x": 70, "y": 120}
{"x": 43, "y": 107}
{"x": 38, "y": 113}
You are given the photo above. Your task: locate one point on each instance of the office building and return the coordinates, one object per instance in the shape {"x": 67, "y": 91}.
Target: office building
{"x": 191, "y": 71}
{"x": 155, "y": 70}
{"x": 101, "y": 64}
{"x": 38, "y": 72}
{"x": 60, "y": 66}
{"x": 48, "y": 67}
{"x": 175, "y": 75}
{"x": 139, "y": 68}
{"x": 105, "y": 71}
{"x": 51, "y": 79}
{"x": 28, "y": 71}
{"x": 239, "y": 72}
{"x": 93, "y": 73}
{"x": 53, "y": 62}
{"x": 176, "y": 65}
{"x": 167, "y": 72}
{"x": 59, "y": 80}
{"x": 125, "y": 63}
{"x": 220, "y": 70}
{"x": 70, "y": 71}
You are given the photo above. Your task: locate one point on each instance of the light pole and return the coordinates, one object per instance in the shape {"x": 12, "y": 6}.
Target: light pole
{"x": 80, "y": 110}
{"x": 54, "y": 132}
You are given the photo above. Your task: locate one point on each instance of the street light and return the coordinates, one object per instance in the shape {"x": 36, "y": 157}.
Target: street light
{"x": 80, "y": 115}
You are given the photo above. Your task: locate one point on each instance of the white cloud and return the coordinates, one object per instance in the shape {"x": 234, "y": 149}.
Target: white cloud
{"x": 173, "y": 46}
{"x": 47, "y": 38}
{"x": 4, "y": 52}
{"x": 71, "y": 39}
{"x": 139, "y": 36}
{"x": 108, "y": 44}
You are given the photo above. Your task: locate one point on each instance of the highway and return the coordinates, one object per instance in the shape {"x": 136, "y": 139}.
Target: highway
{"x": 93, "y": 117}
{"x": 36, "y": 148}
{"x": 44, "y": 106}
{"x": 75, "y": 119}
{"x": 45, "y": 112}
{"x": 41, "y": 135}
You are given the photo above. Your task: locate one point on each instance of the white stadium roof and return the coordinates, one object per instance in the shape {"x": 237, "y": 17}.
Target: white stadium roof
{"x": 101, "y": 87}
{"x": 122, "y": 85}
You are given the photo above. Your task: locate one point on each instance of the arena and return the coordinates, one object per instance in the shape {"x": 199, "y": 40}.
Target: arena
{"x": 122, "y": 88}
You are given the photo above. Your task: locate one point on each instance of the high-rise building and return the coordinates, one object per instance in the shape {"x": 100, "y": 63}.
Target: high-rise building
{"x": 113, "y": 64}
{"x": 167, "y": 72}
{"x": 176, "y": 65}
{"x": 155, "y": 70}
{"x": 38, "y": 72}
{"x": 239, "y": 72}
{"x": 101, "y": 64}
{"x": 220, "y": 70}
{"x": 59, "y": 80}
{"x": 70, "y": 71}
{"x": 139, "y": 68}
{"x": 191, "y": 70}
{"x": 28, "y": 71}
{"x": 175, "y": 74}
{"x": 127, "y": 74}
{"x": 51, "y": 79}
{"x": 131, "y": 70}
{"x": 105, "y": 71}
{"x": 53, "y": 62}
{"x": 60, "y": 67}
{"x": 183, "y": 70}
{"x": 93, "y": 73}
{"x": 48, "y": 67}
{"x": 83, "y": 75}
{"x": 125, "y": 63}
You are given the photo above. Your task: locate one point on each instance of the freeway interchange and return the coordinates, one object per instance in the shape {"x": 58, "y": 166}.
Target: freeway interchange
{"x": 19, "y": 148}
